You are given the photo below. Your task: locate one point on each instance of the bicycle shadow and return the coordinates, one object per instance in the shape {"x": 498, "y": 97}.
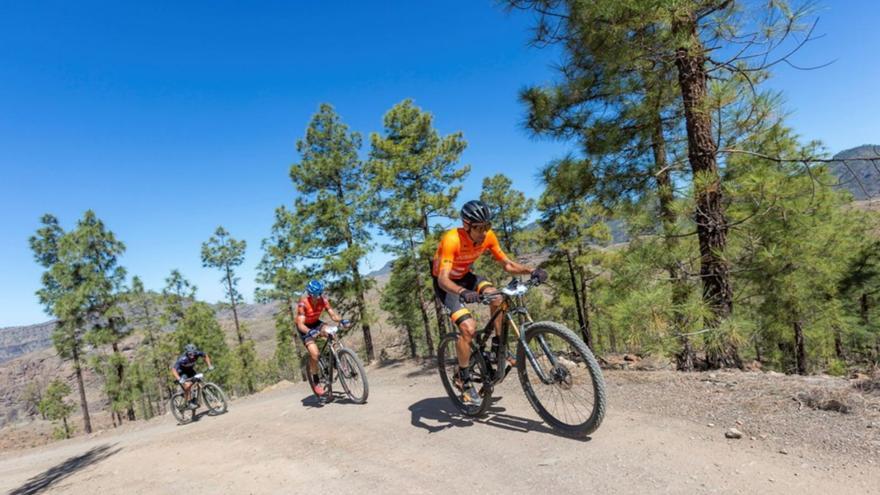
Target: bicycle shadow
{"x": 46, "y": 479}
{"x": 441, "y": 410}
{"x": 312, "y": 402}
{"x": 198, "y": 415}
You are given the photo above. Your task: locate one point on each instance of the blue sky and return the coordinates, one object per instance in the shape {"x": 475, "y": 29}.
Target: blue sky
{"x": 170, "y": 118}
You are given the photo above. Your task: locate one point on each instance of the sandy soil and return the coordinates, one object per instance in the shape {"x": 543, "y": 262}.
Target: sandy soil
{"x": 407, "y": 439}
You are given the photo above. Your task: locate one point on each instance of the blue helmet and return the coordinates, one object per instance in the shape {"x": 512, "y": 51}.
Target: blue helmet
{"x": 315, "y": 288}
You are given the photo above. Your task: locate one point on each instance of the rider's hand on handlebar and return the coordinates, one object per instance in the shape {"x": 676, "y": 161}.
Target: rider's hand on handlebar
{"x": 539, "y": 276}
{"x": 182, "y": 380}
{"x": 469, "y": 296}
{"x": 345, "y": 323}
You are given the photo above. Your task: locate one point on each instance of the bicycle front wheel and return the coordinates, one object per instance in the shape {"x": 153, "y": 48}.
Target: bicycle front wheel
{"x": 214, "y": 399}
{"x": 179, "y": 409}
{"x": 563, "y": 383}
{"x": 447, "y": 360}
{"x": 352, "y": 376}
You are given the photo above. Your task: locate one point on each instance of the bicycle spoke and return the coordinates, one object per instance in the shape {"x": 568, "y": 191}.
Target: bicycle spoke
{"x": 570, "y": 397}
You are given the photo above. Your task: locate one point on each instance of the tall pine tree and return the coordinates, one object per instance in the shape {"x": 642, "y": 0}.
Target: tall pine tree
{"x": 225, "y": 253}
{"x": 417, "y": 176}
{"x": 335, "y": 210}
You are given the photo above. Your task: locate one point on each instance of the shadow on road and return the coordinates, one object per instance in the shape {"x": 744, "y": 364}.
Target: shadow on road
{"x": 441, "y": 410}
{"x": 313, "y": 402}
{"x": 45, "y": 480}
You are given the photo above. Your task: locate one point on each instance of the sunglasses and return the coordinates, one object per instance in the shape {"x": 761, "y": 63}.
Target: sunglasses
{"x": 480, "y": 227}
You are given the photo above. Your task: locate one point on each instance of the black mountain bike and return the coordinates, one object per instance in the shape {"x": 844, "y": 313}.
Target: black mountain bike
{"x": 557, "y": 371}
{"x": 206, "y": 394}
{"x": 337, "y": 361}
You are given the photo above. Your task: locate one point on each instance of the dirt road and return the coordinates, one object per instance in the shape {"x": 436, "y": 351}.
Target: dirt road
{"x": 406, "y": 439}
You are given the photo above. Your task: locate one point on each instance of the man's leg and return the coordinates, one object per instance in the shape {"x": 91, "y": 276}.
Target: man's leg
{"x": 468, "y": 328}
{"x": 187, "y": 390}
{"x": 312, "y": 347}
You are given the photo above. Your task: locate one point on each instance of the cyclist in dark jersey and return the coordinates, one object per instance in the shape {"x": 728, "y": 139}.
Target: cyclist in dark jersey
{"x": 184, "y": 368}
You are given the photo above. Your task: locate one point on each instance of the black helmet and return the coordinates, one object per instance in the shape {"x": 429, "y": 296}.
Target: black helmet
{"x": 190, "y": 349}
{"x": 476, "y": 212}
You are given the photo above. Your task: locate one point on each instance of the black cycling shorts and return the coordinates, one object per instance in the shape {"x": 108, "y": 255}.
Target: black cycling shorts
{"x": 314, "y": 330}
{"x": 185, "y": 374}
{"x": 470, "y": 281}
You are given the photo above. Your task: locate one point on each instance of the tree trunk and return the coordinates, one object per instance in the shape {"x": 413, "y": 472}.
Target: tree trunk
{"x": 800, "y": 353}
{"x": 506, "y": 232}
{"x": 362, "y": 310}
{"x": 300, "y": 350}
{"x": 577, "y": 296}
{"x": 420, "y": 293}
{"x": 66, "y": 427}
{"x": 420, "y": 290}
{"x": 685, "y": 356}
{"x": 161, "y": 371}
{"x": 612, "y": 338}
{"x": 709, "y": 215}
{"x": 120, "y": 377}
{"x": 244, "y": 364}
{"x": 585, "y": 310}
{"x": 412, "y": 341}
{"x": 87, "y": 420}
{"x": 838, "y": 344}
{"x": 758, "y": 357}
{"x": 863, "y": 309}
{"x": 438, "y": 304}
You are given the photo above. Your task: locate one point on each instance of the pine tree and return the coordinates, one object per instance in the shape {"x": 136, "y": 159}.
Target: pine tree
{"x": 796, "y": 243}
{"x": 81, "y": 287}
{"x": 860, "y": 288}
{"x": 177, "y": 294}
{"x": 142, "y": 307}
{"x": 224, "y": 252}
{"x": 100, "y": 294}
{"x": 402, "y": 302}
{"x": 335, "y": 210}
{"x": 511, "y": 208}
{"x": 570, "y": 223}
{"x": 53, "y": 407}
{"x": 637, "y": 39}
{"x": 281, "y": 278}
{"x": 200, "y": 327}
{"x": 416, "y": 175}
{"x": 57, "y": 283}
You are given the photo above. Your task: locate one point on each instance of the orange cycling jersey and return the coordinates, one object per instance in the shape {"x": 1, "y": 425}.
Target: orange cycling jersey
{"x": 311, "y": 311}
{"x": 457, "y": 252}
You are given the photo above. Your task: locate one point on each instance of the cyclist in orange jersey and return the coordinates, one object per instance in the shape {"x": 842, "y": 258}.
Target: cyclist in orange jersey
{"x": 455, "y": 283}
{"x": 308, "y": 321}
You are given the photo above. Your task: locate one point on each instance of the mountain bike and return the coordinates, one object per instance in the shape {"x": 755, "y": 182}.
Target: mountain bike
{"x": 557, "y": 371}
{"x": 337, "y": 361}
{"x": 204, "y": 393}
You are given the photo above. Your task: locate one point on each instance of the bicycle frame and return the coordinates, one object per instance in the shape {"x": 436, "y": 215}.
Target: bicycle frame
{"x": 513, "y": 306}
{"x": 334, "y": 343}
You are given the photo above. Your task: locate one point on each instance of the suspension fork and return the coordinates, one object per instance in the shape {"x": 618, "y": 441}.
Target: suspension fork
{"x": 521, "y": 335}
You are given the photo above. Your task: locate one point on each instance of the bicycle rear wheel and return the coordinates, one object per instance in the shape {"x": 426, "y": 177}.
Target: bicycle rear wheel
{"x": 214, "y": 399}
{"x": 179, "y": 409}
{"x": 352, "y": 376}
{"x": 569, "y": 391}
{"x": 447, "y": 365}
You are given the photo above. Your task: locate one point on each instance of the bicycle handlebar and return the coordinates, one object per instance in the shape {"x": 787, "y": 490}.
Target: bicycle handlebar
{"x": 514, "y": 287}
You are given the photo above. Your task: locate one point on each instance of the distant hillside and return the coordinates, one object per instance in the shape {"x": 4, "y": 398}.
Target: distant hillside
{"x": 867, "y": 174}
{"x": 385, "y": 270}
{"x": 15, "y": 341}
